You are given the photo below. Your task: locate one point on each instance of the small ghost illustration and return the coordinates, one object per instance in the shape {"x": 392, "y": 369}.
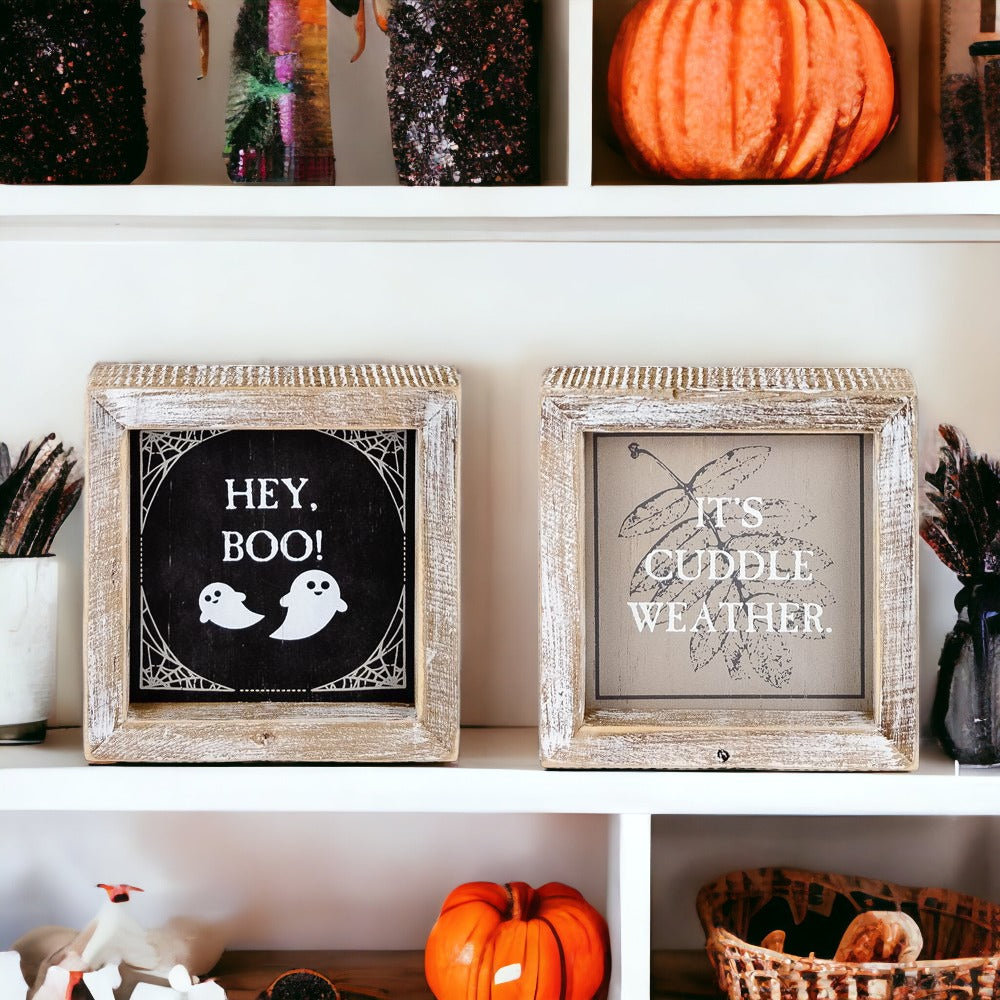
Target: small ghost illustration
{"x": 223, "y": 606}
{"x": 311, "y": 602}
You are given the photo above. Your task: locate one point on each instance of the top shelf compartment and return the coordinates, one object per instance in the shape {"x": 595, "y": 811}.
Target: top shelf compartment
{"x": 588, "y": 190}
{"x": 897, "y": 160}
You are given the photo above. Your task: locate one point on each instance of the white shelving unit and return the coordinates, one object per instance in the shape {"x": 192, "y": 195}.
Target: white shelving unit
{"x": 589, "y": 193}
{"x": 877, "y": 269}
{"x": 307, "y": 840}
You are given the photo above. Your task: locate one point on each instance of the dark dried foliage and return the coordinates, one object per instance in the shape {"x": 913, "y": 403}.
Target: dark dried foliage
{"x": 964, "y": 527}
{"x": 37, "y": 493}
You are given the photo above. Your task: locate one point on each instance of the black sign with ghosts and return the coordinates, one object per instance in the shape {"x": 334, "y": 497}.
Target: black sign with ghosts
{"x": 272, "y": 565}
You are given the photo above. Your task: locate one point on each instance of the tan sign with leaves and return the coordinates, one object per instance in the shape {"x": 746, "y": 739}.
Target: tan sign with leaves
{"x": 728, "y": 567}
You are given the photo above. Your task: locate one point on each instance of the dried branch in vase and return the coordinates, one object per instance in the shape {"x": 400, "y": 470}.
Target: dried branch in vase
{"x": 964, "y": 532}
{"x": 965, "y": 493}
{"x": 37, "y": 493}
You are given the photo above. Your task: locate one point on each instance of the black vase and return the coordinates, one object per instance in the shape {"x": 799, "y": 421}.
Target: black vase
{"x": 966, "y": 713}
{"x": 71, "y": 92}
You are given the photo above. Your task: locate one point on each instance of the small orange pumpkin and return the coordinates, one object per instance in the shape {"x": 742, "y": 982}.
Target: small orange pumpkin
{"x": 512, "y": 942}
{"x": 749, "y": 89}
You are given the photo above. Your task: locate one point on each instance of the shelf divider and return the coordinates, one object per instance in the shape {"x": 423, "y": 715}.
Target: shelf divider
{"x": 581, "y": 90}
{"x": 629, "y": 912}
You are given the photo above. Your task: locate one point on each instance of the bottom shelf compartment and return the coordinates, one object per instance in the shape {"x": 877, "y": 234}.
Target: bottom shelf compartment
{"x": 387, "y": 975}
{"x": 399, "y": 975}
{"x": 680, "y": 975}
{"x": 351, "y": 895}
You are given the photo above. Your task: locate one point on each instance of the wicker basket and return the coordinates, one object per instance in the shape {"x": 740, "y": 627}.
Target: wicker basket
{"x": 961, "y": 938}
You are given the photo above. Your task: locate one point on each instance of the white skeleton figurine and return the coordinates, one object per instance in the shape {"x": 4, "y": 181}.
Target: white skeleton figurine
{"x": 64, "y": 958}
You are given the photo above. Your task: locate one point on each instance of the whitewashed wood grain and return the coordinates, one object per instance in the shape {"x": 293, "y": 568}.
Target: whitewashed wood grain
{"x": 878, "y": 402}
{"x": 127, "y": 397}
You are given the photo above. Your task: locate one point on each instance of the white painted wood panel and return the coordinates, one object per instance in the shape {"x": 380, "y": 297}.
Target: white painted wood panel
{"x": 498, "y": 771}
{"x": 629, "y": 904}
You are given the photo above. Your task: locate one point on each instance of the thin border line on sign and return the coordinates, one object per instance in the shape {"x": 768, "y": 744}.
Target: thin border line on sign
{"x": 598, "y": 697}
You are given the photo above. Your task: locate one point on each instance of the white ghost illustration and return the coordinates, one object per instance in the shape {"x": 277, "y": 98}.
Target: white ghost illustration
{"x": 312, "y": 601}
{"x": 223, "y": 606}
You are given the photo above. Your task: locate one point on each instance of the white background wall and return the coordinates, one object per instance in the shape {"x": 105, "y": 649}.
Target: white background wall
{"x": 501, "y": 314}
{"x": 289, "y": 882}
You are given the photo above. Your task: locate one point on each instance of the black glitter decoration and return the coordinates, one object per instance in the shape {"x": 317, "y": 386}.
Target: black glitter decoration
{"x": 991, "y": 111}
{"x": 962, "y": 126}
{"x": 71, "y": 92}
{"x": 463, "y": 91}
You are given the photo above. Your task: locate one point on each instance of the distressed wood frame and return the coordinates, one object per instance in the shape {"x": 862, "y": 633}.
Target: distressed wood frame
{"x": 876, "y": 402}
{"x": 125, "y": 397}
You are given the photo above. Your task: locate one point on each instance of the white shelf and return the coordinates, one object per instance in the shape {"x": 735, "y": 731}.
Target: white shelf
{"x": 728, "y": 201}
{"x": 907, "y": 212}
{"x": 498, "y": 772}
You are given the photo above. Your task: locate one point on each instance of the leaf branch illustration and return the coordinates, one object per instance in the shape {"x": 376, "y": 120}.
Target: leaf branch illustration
{"x": 682, "y": 534}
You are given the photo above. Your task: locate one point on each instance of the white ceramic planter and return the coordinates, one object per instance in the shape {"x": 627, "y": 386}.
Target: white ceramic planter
{"x": 28, "y": 604}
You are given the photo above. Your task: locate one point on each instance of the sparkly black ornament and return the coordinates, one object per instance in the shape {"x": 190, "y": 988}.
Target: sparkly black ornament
{"x": 71, "y": 92}
{"x": 463, "y": 91}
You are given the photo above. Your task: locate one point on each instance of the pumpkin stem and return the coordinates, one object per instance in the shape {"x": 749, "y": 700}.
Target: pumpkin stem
{"x": 521, "y": 901}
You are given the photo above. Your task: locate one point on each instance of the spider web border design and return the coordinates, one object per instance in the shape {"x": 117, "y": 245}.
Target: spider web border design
{"x": 384, "y": 669}
{"x": 386, "y": 450}
{"x": 168, "y": 674}
{"x": 167, "y": 447}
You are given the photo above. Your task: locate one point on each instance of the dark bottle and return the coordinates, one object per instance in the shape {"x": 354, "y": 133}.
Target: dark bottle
{"x": 71, "y": 93}
{"x": 966, "y": 713}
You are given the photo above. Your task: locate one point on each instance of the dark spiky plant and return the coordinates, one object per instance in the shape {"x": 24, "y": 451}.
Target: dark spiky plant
{"x": 37, "y": 493}
{"x": 964, "y": 527}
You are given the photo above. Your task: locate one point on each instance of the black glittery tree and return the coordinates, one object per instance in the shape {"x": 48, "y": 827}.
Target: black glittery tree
{"x": 463, "y": 91}
{"x": 71, "y": 91}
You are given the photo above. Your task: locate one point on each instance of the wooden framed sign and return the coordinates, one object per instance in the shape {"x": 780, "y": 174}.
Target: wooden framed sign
{"x": 272, "y": 566}
{"x": 728, "y": 569}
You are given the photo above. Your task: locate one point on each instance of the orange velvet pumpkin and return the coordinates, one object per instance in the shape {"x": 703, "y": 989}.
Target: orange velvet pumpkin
{"x": 749, "y": 89}
{"x": 512, "y": 942}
